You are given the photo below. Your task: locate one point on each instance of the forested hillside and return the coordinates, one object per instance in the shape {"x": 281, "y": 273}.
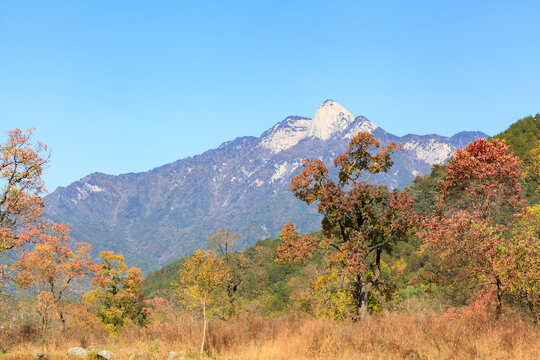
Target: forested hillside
{"x": 272, "y": 287}
{"x": 461, "y": 243}
{"x": 523, "y": 137}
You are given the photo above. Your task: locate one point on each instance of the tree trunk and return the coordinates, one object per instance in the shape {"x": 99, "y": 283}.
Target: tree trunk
{"x": 498, "y": 310}
{"x": 361, "y": 297}
{"x": 534, "y": 311}
{"x": 377, "y": 271}
{"x": 63, "y": 321}
{"x": 204, "y": 329}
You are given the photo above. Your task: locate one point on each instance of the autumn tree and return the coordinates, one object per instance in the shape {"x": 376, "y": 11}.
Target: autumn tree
{"x": 478, "y": 205}
{"x": 117, "y": 297}
{"x": 519, "y": 265}
{"x": 333, "y": 294}
{"x": 21, "y": 187}
{"x": 200, "y": 285}
{"x": 223, "y": 242}
{"x": 483, "y": 178}
{"x": 360, "y": 220}
{"x": 532, "y": 166}
{"x": 53, "y": 267}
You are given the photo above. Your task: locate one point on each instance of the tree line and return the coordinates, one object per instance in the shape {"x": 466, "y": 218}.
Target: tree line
{"x": 467, "y": 229}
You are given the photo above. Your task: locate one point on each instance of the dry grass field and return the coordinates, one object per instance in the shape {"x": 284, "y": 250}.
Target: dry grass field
{"x": 394, "y": 336}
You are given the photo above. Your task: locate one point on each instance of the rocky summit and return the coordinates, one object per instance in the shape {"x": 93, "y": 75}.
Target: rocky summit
{"x": 157, "y": 216}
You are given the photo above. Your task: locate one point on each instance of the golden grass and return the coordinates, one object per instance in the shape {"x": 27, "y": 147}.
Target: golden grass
{"x": 394, "y": 336}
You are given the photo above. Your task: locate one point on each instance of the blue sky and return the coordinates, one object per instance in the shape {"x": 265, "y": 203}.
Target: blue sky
{"x": 117, "y": 87}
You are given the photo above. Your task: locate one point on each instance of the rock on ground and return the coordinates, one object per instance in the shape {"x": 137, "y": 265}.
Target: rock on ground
{"x": 106, "y": 355}
{"x": 77, "y": 352}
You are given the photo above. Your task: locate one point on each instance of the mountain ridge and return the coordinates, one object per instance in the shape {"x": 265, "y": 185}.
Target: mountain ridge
{"x": 155, "y": 216}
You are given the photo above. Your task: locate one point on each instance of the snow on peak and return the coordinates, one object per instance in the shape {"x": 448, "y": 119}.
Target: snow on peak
{"x": 432, "y": 152}
{"x": 285, "y": 134}
{"x": 284, "y": 170}
{"x": 85, "y": 191}
{"x": 360, "y": 124}
{"x": 329, "y": 119}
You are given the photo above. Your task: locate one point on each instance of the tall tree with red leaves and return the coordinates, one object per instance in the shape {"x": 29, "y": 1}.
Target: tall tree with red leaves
{"x": 479, "y": 203}
{"x": 360, "y": 220}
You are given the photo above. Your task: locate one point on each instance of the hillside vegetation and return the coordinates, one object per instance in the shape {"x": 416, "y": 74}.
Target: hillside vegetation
{"x": 447, "y": 268}
{"x": 407, "y": 262}
{"x": 523, "y": 136}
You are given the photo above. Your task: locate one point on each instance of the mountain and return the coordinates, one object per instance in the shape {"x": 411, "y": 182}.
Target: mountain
{"x": 522, "y": 137}
{"x": 157, "y": 216}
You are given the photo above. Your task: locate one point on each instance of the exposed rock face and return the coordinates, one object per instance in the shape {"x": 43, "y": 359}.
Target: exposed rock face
{"x": 330, "y": 119}
{"x": 155, "y": 217}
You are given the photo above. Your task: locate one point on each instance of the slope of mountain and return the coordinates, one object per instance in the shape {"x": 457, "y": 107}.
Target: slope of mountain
{"x": 522, "y": 136}
{"x": 156, "y": 216}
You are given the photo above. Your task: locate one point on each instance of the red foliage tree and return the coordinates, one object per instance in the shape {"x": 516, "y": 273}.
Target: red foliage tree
{"x": 479, "y": 201}
{"x": 482, "y": 178}
{"x": 360, "y": 220}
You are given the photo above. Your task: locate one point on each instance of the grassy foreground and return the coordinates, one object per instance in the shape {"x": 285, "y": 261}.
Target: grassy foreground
{"x": 395, "y": 336}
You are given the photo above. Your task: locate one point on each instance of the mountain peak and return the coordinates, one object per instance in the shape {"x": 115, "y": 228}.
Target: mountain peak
{"x": 329, "y": 118}
{"x": 156, "y": 216}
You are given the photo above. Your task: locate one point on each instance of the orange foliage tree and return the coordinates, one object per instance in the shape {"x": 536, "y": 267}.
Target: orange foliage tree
{"x": 52, "y": 267}
{"x": 360, "y": 220}
{"x": 21, "y": 166}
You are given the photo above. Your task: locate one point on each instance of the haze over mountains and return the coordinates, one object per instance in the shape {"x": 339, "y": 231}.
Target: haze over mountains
{"x": 155, "y": 217}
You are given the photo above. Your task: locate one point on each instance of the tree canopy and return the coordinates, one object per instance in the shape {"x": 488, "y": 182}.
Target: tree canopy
{"x": 360, "y": 220}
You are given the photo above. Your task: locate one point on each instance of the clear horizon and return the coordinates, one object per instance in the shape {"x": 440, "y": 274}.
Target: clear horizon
{"x": 130, "y": 86}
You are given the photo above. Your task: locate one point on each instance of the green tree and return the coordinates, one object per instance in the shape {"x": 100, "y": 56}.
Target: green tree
{"x": 519, "y": 263}
{"x": 117, "y": 296}
{"x": 424, "y": 189}
{"x": 532, "y": 167}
